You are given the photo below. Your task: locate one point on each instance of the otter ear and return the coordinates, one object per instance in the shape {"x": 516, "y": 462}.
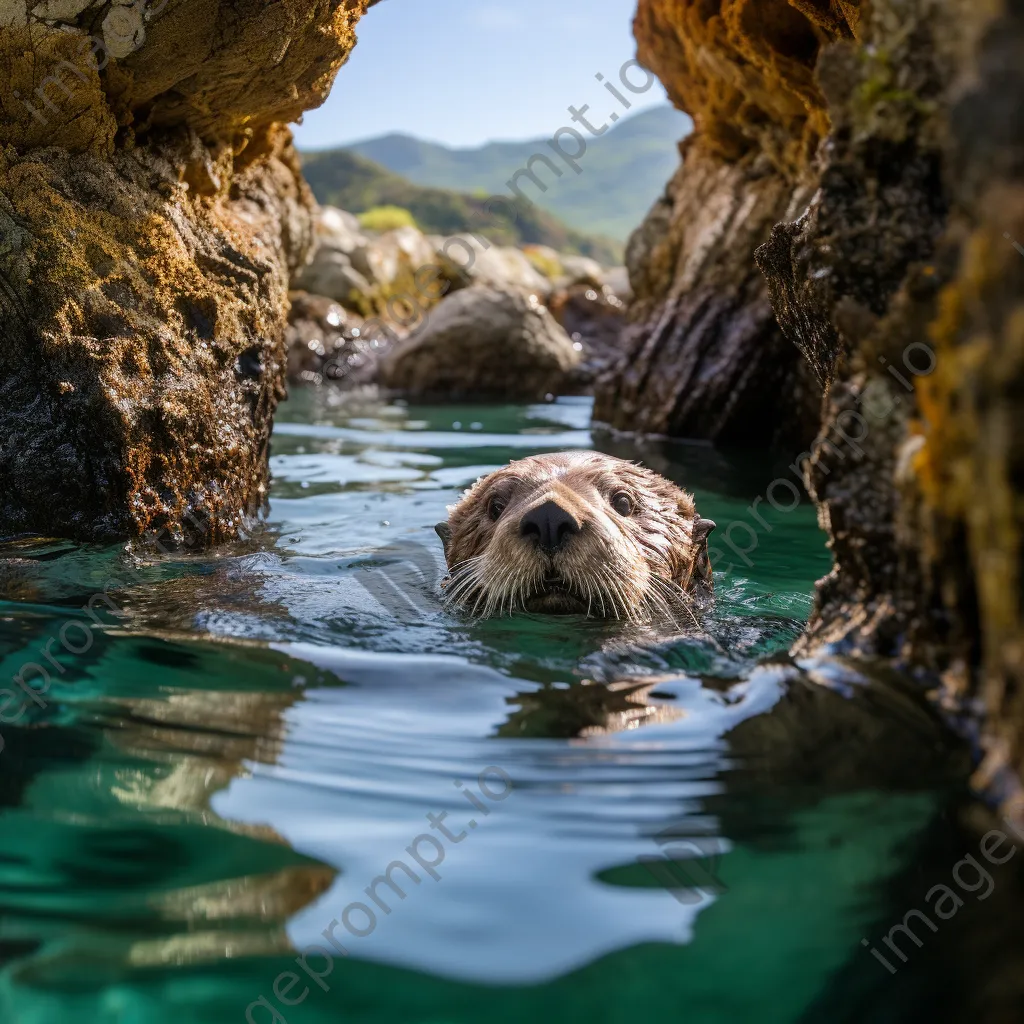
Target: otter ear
{"x": 444, "y": 531}
{"x": 701, "y": 529}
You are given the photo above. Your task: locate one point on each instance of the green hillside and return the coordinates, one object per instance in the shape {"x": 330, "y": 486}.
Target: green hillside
{"x": 342, "y": 178}
{"x": 622, "y": 171}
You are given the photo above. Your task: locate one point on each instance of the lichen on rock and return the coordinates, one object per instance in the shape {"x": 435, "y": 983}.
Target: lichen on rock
{"x": 902, "y": 286}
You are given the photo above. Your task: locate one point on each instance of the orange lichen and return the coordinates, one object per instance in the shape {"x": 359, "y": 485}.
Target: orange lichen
{"x": 51, "y": 92}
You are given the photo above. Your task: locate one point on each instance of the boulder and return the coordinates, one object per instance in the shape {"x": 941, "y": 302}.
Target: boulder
{"x": 594, "y": 319}
{"x": 338, "y": 230}
{"x": 903, "y": 286}
{"x": 484, "y": 342}
{"x": 391, "y": 260}
{"x": 337, "y": 236}
{"x": 328, "y": 344}
{"x": 581, "y": 270}
{"x": 331, "y": 274}
{"x": 546, "y": 261}
{"x": 371, "y": 274}
{"x": 615, "y": 281}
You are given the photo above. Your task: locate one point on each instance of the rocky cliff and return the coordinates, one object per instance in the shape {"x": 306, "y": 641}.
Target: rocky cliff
{"x": 903, "y": 285}
{"x": 892, "y": 134}
{"x": 151, "y": 212}
{"x": 705, "y": 357}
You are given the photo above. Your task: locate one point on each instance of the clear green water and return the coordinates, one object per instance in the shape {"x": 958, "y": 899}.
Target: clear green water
{"x": 696, "y": 829}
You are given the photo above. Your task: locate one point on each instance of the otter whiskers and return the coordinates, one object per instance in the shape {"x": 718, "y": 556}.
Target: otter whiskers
{"x": 479, "y": 589}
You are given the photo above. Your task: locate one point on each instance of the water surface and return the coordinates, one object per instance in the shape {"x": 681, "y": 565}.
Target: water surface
{"x": 689, "y": 829}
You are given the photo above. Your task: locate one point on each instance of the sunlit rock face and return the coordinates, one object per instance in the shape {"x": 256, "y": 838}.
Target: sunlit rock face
{"x": 151, "y": 214}
{"x": 744, "y": 69}
{"x": 704, "y": 355}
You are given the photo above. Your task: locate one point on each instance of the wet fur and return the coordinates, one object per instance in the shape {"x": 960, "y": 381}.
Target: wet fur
{"x": 651, "y": 565}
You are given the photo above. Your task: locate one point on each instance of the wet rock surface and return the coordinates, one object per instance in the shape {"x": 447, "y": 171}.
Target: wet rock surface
{"x": 151, "y": 214}
{"x": 594, "y": 317}
{"x": 328, "y": 343}
{"x": 871, "y": 154}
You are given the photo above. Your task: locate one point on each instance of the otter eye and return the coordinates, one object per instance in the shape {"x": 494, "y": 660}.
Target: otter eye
{"x": 622, "y": 503}
{"x": 495, "y": 507}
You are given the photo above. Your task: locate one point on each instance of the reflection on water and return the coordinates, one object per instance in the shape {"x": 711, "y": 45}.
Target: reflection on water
{"x": 697, "y": 827}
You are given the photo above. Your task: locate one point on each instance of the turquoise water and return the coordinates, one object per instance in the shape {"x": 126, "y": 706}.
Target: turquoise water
{"x": 210, "y": 778}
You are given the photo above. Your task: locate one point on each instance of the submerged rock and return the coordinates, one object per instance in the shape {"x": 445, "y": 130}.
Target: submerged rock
{"x": 484, "y": 342}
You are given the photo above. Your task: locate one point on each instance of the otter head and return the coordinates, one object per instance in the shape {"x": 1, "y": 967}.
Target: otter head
{"x": 576, "y": 532}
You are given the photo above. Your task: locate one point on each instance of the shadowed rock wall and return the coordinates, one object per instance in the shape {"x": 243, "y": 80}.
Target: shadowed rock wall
{"x": 892, "y": 131}
{"x": 904, "y": 287}
{"x": 151, "y": 212}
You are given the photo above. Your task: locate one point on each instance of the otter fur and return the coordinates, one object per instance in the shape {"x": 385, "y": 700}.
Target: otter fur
{"x": 577, "y": 532}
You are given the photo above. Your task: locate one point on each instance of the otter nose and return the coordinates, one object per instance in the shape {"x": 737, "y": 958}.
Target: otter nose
{"x": 549, "y": 525}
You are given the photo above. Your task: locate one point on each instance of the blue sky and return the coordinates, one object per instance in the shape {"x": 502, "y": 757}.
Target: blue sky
{"x": 464, "y": 72}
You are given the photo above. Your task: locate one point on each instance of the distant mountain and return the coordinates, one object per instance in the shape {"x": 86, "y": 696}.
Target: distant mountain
{"x": 342, "y": 178}
{"x": 622, "y": 171}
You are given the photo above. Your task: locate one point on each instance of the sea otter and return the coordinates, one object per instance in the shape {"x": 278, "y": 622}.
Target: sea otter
{"x": 577, "y": 533}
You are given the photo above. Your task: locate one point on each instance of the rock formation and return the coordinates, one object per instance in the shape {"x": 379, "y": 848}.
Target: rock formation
{"x": 903, "y": 285}
{"x": 151, "y": 212}
{"x": 892, "y": 134}
{"x": 484, "y": 342}
{"x": 396, "y": 279}
{"x": 704, "y": 355}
